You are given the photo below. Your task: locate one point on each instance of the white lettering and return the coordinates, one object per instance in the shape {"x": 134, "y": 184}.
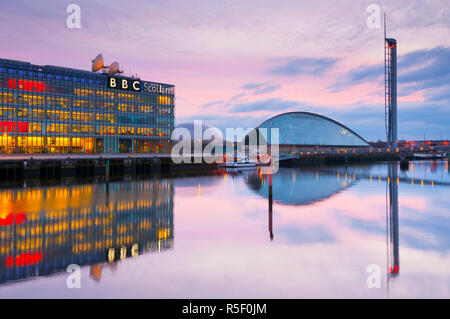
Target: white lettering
{"x": 181, "y": 151}
{"x": 124, "y": 84}
{"x": 74, "y": 19}
{"x": 215, "y": 146}
{"x": 137, "y": 85}
{"x": 74, "y": 279}
{"x": 112, "y": 82}
{"x": 374, "y": 19}
{"x": 374, "y": 279}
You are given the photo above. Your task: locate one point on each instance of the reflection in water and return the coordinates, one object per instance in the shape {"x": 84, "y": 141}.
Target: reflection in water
{"x": 47, "y": 229}
{"x": 300, "y": 187}
{"x": 392, "y": 222}
{"x": 270, "y": 208}
{"x": 305, "y": 186}
{"x": 323, "y": 244}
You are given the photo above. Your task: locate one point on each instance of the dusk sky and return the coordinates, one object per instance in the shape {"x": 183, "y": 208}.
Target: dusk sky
{"x": 237, "y": 63}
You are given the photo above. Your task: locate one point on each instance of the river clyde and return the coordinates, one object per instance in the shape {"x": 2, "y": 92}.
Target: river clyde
{"x": 308, "y": 232}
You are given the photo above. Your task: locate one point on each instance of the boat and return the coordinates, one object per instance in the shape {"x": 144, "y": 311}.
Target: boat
{"x": 430, "y": 155}
{"x": 239, "y": 161}
{"x": 246, "y": 164}
{"x": 239, "y": 170}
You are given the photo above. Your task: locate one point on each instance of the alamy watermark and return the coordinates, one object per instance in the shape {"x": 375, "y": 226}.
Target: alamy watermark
{"x": 374, "y": 19}
{"x": 74, "y": 19}
{"x": 374, "y": 278}
{"x": 239, "y": 145}
{"x": 74, "y": 279}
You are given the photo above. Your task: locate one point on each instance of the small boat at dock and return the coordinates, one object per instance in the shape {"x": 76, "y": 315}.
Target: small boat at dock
{"x": 430, "y": 155}
{"x": 236, "y": 164}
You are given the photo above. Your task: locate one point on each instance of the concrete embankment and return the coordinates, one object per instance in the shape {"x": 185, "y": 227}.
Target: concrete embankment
{"x": 319, "y": 158}
{"x": 14, "y": 169}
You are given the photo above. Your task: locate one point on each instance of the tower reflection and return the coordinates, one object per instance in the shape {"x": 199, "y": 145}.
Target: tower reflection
{"x": 392, "y": 222}
{"x": 296, "y": 187}
{"x": 270, "y": 207}
{"x": 50, "y": 228}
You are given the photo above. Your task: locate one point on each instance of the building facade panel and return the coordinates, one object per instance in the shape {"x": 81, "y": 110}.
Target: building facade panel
{"x": 48, "y": 109}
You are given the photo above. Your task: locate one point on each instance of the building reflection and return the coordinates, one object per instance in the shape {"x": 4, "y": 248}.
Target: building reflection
{"x": 43, "y": 230}
{"x": 296, "y": 187}
{"x": 305, "y": 186}
{"x": 299, "y": 186}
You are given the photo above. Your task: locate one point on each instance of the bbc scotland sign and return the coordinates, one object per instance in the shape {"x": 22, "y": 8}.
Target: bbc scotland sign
{"x": 138, "y": 86}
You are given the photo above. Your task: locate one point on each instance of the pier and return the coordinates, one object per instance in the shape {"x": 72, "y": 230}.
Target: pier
{"x": 14, "y": 168}
{"x": 370, "y": 155}
{"x": 18, "y": 167}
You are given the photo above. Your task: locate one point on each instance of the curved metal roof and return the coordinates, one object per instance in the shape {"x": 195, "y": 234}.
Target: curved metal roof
{"x": 305, "y": 128}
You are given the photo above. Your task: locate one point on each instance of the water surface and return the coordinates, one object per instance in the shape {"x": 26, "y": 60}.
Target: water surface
{"x": 303, "y": 232}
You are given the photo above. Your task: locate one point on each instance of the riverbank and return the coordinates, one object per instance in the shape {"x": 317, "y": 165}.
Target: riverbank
{"x": 20, "y": 168}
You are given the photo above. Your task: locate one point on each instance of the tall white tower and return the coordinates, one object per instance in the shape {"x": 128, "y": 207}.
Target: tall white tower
{"x": 390, "y": 88}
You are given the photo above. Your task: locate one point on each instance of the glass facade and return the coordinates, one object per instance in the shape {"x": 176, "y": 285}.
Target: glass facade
{"x": 302, "y": 128}
{"x": 43, "y": 230}
{"x": 49, "y": 109}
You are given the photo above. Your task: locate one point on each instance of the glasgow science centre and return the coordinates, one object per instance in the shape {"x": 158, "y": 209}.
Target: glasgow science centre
{"x": 50, "y": 109}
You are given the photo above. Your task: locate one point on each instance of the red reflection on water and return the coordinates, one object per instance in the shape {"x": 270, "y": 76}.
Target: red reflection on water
{"x": 395, "y": 270}
{"x": 9, "y": 220}
{"x": 25, "y": 259}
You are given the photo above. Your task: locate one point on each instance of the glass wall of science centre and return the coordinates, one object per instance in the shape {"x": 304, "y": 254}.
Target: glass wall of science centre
{"x": 303, "y": 131}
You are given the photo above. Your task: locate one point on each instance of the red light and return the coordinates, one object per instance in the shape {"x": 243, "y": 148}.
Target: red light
{"x": 9, "y": 220}
{"x": 428, "y": 142}
{"x": 445, "y": 143}
{"x": 11, "y": 84}
{"x": 9, "y": 262}
{"x": 25, "y": 259}
{"x": 20, "y": 218}
{"x": 11, "y": 126}
{"x": 395, "y": 270}
{"x": 26, "y": 85}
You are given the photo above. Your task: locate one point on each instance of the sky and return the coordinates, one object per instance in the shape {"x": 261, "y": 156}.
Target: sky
{"x": 238, "y": 63}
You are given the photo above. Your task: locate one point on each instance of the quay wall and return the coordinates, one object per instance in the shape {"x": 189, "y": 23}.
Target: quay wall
{"x": 53, "y": 168}
{"x": 50, "y": 167}
{"x": 305, "y": 159}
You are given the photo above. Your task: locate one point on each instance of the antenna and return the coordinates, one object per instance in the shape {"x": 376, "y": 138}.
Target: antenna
{"x": 384, "y": 25}
{"x": 97, "y": 63}
{"x": 114, "y": 68}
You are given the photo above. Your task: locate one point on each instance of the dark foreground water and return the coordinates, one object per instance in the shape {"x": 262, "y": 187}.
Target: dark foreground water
{"x": 330, "y": 232}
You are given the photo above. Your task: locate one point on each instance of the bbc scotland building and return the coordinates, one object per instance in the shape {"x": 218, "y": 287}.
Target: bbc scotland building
{"x": 50, "y": 109}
